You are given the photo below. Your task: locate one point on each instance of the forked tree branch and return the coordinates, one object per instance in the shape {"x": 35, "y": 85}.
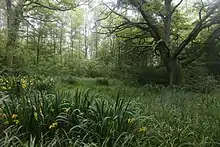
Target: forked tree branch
{"x": 175, "y": 7}
{"x": 196, "y": 30}
{"x": 128, "y": 20}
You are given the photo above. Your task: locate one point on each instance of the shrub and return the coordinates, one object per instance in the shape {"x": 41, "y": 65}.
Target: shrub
{"x": 69, "y": 80}
{"x": 15, "y": 72}
{"x": 42, "y": 83}
{"x": 16, "y": 84}
{"x": 199, "y": 80}
{"x": 102, "y": 81}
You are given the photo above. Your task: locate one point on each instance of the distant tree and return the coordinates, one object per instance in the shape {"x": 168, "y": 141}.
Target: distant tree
{"x": 19, "y": 11}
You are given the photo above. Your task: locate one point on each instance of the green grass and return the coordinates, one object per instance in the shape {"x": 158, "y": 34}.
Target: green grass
{"x": 87, "y": 114}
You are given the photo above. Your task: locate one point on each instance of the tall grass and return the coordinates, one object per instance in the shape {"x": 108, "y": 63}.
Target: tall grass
{"x": 109, "y": 117}
{"x": 66, "y": 118}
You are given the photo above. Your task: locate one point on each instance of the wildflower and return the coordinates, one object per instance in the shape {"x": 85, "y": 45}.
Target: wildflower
{"x": 6, "y": 122}
{"x": 40, "y": 111}
{"x": 130, "y": 120}
{"x": 23, "y": 83}
{"x": 54, "y": 125}
{"x": 67, "y": 110}
{"x": 4, "y": 116}
{"x": 35, "y": 115}
{"x": 16, "y": 121}
{"x": 14, "y": 116}
{"x": 4, "y": 88}
{"x": 142, "y": 130}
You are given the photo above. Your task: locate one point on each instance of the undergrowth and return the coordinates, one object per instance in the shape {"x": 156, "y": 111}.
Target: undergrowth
{"x": 105, "y": 116}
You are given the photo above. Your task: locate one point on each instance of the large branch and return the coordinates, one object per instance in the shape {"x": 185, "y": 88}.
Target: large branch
{"x": 124, "y": 26}
{"x": 40, "y": 19}
{"x": 103, "y": 18}
{"x": 163, "y": 48}
{"x": 193, "y": 58}
{"x": 175, "y": 7}
{"x": 197, "y": 29}
{"x": 153, "y": 29}
{"x": 137, "y": 25}
{"x": 37, "y": 4}
{"x": 202, "y": 51}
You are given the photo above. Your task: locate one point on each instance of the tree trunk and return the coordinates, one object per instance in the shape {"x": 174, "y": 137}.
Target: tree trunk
{"x": 175, "y": 71}
{"x": 11, "y": 42}
{"x": 54, "y": 47}
{"x": 38, "y": 46}
{"x": 167, "y": 21}
{"x": 13, "y": 22}
{"x": 61, "y": 45}
{"x": 85, "y": 43}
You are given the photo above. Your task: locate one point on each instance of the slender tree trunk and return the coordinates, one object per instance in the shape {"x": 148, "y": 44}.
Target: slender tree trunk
{"x": 85, "y": 42}
{"x": 167, "y": 21}
{"x": 61, "y": 44}
{"x": 54, "y": 47}
{"x": 38, "y": 46}
{"x": 96, "y": 40}
{"x": 27, "y": 42}
{"x": 72, "y": 40}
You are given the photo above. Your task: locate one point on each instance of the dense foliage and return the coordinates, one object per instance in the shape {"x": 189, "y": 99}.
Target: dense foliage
{"x": 93, "y": 73}
{"x": 105, "y": 116}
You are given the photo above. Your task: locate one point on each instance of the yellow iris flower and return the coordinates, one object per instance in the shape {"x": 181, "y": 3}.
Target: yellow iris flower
{"x": 23, "y": 83}
{"x": 131, "y": 120}
{"x": 54, "y": 125}
{"x": 14, "y": 116}
{"x": 142, "y": 130}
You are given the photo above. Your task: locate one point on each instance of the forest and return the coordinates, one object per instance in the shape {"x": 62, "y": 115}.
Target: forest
{"x": 109, "y": 73}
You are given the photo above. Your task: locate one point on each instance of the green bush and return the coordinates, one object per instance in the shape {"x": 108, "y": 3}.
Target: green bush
{"x": 147, "y": 75}
{"x": 15, "y": 72}
{"x": 102, "y": 81}
{"x": 69, "y": 80}
{"x": 88, "y": 68}
{"x": 199, "y": 80}
{"x": 42, "y": 83}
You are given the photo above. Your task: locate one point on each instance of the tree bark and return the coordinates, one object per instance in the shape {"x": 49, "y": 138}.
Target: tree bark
{"x": 61, "y": 45}
{"x": 167, "y": 21}
{"x": 85, "y": 42}
{"x": 96, "y": 41}
{"x": 54, "y": 47}
{"x": 38, "y": 46}
{"x": 13, "y": 22}
{"x": 175, "y": 71}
